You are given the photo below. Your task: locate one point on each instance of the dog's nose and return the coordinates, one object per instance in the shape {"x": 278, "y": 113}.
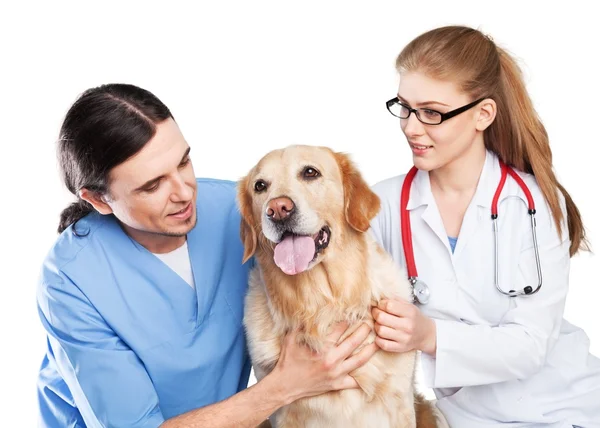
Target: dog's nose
{"x": 279, "y": 209}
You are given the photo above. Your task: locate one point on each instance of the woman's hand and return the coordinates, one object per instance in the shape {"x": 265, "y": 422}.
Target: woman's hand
{"x": 402, "y": 327}
{"x": 306, "y": 373}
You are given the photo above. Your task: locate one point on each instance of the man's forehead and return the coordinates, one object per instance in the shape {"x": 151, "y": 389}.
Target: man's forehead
{"x": 151, "y": 162}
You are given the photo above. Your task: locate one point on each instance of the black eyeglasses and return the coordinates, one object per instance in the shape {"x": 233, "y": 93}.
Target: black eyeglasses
{"x": 425, "y": 115}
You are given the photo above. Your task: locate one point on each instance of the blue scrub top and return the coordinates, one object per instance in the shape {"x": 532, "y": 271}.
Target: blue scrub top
{"x": 130, "y": 343}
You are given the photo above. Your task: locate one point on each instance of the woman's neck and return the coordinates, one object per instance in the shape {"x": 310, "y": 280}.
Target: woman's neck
{"x": 461, "y": 175}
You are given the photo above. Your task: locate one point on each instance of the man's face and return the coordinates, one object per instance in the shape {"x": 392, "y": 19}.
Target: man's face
{"x": 154, "y": 192}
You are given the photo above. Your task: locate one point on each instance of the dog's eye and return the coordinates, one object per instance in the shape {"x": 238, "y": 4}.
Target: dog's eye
{"x": 310, "y": 172}
{"x": 260, "y": 186}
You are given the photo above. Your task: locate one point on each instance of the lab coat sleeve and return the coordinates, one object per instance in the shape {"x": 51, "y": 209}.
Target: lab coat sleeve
{"x": 108, "y": 382}
{"x": 381, "y": 227}
{"x": 516, "y": 348}
{"x": 375, "y": 230}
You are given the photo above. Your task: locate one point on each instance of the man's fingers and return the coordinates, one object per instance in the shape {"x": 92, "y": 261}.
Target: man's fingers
{"x": 347, "y": 347}
{"x": 347, "y": 382}
{"x": 290, "y": 337}
{"x": 337, "y": 331}
{"x": 359, "y": 359}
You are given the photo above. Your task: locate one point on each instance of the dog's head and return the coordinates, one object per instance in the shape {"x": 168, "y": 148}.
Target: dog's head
{"x": 297, "y": 201}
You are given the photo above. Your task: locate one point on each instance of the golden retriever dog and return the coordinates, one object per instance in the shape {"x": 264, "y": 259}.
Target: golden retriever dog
{"x": 305, "y": 213}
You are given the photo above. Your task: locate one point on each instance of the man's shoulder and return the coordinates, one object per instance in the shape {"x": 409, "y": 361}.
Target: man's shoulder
{"x": 72, "y": 247}
{"x": 216, "y": 196}
{"x": 215, "y": 183}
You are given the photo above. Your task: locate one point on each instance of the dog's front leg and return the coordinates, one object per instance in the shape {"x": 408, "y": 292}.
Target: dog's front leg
{"x": 263, "y": 336}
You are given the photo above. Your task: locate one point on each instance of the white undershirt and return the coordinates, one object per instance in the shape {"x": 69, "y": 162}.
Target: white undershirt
{"x": 179, "y": 261}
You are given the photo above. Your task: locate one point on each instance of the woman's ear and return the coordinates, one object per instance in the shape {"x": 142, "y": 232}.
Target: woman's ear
{"x": 487, "y": 114}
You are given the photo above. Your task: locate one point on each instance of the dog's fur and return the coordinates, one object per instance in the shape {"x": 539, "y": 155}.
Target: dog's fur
{"x": 343, "y": 283}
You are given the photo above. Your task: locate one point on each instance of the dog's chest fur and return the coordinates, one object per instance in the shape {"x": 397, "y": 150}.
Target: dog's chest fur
{"x": 313, "y": 301}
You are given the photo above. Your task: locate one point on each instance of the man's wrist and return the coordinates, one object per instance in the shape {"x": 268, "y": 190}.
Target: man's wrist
{"x": 274, "y": 389}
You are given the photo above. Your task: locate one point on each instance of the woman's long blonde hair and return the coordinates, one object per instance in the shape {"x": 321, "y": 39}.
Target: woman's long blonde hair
{"x": 517, "y": 135}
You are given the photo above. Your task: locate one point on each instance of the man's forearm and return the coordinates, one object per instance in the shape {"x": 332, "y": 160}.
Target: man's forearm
{"x": 248, "y": 408}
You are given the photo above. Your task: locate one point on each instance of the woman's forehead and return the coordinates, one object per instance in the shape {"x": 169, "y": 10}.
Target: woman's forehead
{"x": 418, "y": 88}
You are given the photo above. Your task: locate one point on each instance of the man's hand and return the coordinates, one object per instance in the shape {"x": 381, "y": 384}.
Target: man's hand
{"x": 307, "y": 373}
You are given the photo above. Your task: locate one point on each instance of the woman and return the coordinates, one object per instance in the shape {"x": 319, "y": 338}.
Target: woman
{"x": 142, "y": 294}
{"x": 492, "y": 359}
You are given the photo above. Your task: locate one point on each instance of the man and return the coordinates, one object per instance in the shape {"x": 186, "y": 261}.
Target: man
{"x": 142, "y": 293}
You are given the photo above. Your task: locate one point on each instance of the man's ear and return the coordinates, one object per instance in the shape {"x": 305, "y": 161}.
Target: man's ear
{"x": 96, "y": 200}
{"x": 360, "y": 202}
{"x": 247, "y": 232}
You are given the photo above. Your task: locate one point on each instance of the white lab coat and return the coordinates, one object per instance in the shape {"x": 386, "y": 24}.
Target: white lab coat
{"x": 501, "y": 361}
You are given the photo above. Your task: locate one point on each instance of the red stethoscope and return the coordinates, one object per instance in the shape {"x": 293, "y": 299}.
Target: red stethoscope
{"x": 420, "y": 290}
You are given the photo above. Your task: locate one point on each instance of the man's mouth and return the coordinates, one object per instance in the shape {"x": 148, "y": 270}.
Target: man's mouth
{"x": 294, "y": 252}
{"x": 184, "y": 212}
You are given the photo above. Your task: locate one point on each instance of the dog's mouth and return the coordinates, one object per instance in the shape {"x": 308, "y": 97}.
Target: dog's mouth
{"x": 294, "y": 253}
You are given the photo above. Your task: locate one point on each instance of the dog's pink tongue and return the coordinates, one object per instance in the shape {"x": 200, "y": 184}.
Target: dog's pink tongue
{"x": 294, "y": 253}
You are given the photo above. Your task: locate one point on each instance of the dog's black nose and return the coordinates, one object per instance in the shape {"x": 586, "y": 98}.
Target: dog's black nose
{"x": 280, "y": 209}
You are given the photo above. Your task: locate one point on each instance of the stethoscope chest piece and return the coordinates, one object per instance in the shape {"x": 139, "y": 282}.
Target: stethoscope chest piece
{"x": 420, "y": 291}
{"x": 419, "y": 288}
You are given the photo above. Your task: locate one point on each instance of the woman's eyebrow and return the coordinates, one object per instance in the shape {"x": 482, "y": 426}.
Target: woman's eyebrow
{"x": 425, "y": 103}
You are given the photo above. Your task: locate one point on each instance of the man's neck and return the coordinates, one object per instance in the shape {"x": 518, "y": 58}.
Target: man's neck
{"x": 154, "y": 242}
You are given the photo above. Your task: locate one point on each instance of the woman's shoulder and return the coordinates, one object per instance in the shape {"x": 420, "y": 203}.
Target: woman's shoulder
{"x": 389, "y": 187}
{"x": 544, "y": 213}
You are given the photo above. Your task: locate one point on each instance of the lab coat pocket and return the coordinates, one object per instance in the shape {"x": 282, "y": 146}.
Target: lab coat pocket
{"x": 502, "y": 402}
{"x": 482, "y": 301}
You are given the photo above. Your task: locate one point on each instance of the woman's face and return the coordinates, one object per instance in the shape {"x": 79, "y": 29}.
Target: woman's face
{"x": 435, "y": 146}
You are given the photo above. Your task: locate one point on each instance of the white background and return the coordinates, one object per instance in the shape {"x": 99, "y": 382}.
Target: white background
{"x": 258, "y": 76}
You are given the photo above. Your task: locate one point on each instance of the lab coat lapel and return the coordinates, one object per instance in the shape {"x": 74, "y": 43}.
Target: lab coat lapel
{"x": 481, "y": 202}
{"x": 421, "y": 195}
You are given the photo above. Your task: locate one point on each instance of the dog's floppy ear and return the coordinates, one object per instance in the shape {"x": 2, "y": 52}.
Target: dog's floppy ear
{"x": 360, "y": 202}
{"x": 247, "y": 232}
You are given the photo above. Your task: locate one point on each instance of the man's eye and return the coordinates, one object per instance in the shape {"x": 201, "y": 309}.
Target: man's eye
{"x": 185, "y": 161}
{"x": 153, "y": 188}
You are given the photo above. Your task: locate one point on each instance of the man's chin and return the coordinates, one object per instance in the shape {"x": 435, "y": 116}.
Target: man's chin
{"x": 181, "y": 230}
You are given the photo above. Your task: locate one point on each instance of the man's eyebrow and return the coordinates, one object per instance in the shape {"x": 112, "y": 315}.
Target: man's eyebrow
{"x": 152, "y": 181}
